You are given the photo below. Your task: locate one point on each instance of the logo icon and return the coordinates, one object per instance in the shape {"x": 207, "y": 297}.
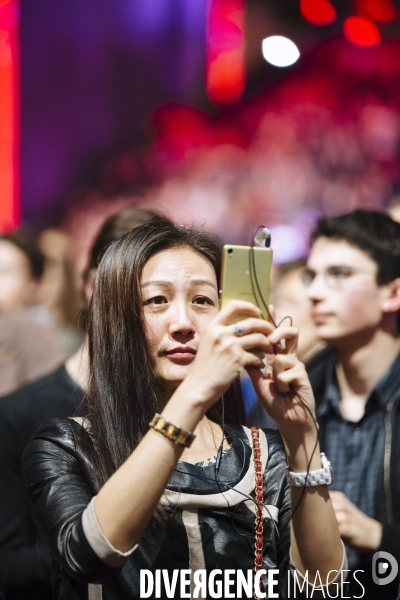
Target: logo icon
{"x": 384, "y": 568}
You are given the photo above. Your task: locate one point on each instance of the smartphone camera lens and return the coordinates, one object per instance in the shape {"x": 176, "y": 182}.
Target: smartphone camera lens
{"x": 230, "y": 250}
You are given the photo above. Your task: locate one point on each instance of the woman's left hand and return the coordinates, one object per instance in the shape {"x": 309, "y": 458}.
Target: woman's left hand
{"x": 284, "y": 380}
{"x": 280, "y": 390}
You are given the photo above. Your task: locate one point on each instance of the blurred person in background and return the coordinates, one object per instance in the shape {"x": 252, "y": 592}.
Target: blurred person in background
{"x": 27, "y": 350}
{"x": 59, "y": 294}
{"x": 35, "y": 276}
{"x": 21, "y": 269}
{"x": 393, "y": 209}
{"x": 353, "y": 282}
{"x": 290, "y": 300}
{"x": 25, "y": 564}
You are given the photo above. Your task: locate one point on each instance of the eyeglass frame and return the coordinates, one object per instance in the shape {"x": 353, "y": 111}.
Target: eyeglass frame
{"x": 337, "y": 283}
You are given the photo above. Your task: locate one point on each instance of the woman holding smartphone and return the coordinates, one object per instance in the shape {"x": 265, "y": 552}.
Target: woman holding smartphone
{"x": 159, "y": 473}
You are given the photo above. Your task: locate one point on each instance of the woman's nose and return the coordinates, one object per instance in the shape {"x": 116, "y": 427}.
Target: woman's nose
{"x": 181, "y": 321}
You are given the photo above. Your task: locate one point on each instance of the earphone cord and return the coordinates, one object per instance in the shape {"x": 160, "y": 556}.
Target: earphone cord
{"x": 258, "y": 294}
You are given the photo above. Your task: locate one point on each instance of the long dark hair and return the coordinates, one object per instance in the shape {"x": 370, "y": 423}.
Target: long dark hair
{"x": 123, "y": 392}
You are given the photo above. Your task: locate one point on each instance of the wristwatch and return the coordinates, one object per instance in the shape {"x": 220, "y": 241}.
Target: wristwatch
{"x": 322, "y": 476}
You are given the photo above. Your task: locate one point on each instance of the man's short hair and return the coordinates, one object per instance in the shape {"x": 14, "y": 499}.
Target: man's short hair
{"x": 28, "y": 244}
{"x": 373, "y": 232}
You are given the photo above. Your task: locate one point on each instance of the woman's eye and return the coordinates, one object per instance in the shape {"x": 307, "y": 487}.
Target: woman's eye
{"x": 156, "y": 300}
{"x": 202, "y": 300}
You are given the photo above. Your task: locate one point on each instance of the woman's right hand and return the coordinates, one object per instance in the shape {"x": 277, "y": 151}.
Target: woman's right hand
{"x": 222, "y": 355}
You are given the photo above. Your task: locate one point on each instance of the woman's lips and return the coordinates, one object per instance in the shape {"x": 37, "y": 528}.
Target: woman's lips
{"x": 181, "y": 353}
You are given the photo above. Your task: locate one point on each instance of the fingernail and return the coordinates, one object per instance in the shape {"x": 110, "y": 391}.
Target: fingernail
{"x": 265, "y": 361}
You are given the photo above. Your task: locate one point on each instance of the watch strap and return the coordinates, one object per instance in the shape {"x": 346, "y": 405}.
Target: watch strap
{"x": 323, "y": 476}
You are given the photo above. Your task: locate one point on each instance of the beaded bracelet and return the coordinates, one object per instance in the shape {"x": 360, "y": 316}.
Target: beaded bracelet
{"x": 172, "y": 432}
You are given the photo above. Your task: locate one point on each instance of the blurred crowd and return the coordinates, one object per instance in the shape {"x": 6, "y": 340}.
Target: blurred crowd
{"x": 323, "y": 140}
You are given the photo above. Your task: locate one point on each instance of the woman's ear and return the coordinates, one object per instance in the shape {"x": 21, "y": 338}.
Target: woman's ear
{"x": 88, "y": 284}
{"x": 391, "y": 299}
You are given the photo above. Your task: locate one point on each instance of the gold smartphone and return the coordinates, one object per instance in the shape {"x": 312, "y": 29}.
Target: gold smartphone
{"x": 246, "y": 275}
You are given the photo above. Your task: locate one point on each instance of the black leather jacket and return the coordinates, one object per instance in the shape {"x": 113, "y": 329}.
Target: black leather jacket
{"x": 60, "y": 485}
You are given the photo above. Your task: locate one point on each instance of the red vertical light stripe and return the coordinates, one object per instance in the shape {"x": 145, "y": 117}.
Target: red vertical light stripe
{"x": 225, "y": 68}
{"x": 9, "y": 115}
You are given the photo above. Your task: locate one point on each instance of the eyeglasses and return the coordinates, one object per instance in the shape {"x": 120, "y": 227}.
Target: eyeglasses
{"x": 335, "y": 276}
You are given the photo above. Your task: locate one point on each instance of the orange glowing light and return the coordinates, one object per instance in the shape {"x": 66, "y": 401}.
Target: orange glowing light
{"x": 360, "y": 31}
{"x": 318, "y": 12}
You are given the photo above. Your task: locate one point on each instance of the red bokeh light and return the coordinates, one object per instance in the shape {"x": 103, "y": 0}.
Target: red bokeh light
{"x": 383, "y": 11}
{"x": 225, "y": 69}
{"x": 318, "y": 12}
{"x": 361, "y": 32}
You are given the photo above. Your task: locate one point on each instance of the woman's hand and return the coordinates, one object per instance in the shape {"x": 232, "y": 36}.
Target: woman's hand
{"x": 222, "y": 355}
{"x": 284, "y": 381}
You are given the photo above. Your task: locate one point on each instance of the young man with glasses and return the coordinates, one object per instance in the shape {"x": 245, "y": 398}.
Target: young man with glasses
{"x": 352, "y": 279}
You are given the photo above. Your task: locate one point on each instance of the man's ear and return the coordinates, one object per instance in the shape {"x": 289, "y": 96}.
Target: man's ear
{"x": 391, "y": 299}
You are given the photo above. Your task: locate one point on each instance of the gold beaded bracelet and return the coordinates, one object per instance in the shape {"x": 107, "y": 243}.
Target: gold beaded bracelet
{"x": 172, "y": 432}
